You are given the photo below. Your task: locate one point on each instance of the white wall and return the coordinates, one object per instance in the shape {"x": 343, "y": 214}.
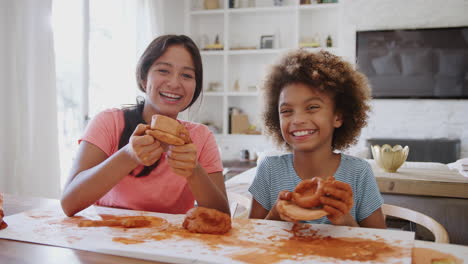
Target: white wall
{"x": 174, "y": 17}
{"x": 408, "y": 118}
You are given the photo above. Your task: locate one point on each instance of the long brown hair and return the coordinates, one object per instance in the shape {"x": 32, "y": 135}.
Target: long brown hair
{"x": 133, "y": 115}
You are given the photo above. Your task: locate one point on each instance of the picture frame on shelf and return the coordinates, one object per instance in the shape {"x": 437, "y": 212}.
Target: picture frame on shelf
{"x": 266, "y": 41}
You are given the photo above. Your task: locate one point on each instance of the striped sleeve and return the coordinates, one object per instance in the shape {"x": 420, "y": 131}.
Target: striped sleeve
{"x": 369, "y": 197}
{"x": 260, "y": 188}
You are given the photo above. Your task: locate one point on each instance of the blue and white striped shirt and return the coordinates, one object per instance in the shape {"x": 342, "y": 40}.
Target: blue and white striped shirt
{"x": 277, "y": 173}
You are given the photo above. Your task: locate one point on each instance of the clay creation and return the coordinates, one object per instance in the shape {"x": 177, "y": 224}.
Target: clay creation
{"x": 168, "y": 130}
{"x": 207, "y": 221}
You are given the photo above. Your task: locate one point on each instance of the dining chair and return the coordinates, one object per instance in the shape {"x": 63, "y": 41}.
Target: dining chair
{"x": 439, "y": 232}
{"x": 239, "y": 205}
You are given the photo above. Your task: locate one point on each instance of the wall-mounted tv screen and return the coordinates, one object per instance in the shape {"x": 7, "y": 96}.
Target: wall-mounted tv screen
{"x": 415, "y": 63}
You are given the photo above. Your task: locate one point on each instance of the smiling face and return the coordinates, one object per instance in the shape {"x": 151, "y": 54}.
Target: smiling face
{"x": 307, "y": 118}
{"x": 170, "y": 84}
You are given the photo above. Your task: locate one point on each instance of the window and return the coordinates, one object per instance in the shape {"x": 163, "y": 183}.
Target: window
{"x": 67, "y": 22}
{"x": 112, "y": 54}
{"x": 96, "y": 54}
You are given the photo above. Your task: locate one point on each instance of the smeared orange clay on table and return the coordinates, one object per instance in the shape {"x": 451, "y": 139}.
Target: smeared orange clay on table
{"x": 207, "y": 221}
{"x": 123, "y": 221}
{"x": 304, "y": 244}
{"x": 301, "y": 243}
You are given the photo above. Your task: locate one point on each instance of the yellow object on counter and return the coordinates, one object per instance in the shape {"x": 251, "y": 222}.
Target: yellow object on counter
{"x": 390, "y": 158}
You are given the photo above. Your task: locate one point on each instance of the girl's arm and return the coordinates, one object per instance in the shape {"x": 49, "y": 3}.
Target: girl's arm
{"x": 257, "y": 211}
{"x": 92, "y": 176}
{"x": 209, "y": 189}
{"x": 94, "y": 173}
{"x": 375, "y": 220}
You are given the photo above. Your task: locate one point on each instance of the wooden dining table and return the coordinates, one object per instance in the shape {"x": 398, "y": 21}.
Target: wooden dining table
{"x": 13, "y": 251}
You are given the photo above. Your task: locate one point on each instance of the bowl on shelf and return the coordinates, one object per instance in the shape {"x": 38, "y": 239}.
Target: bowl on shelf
{"x": 390, "y": 158}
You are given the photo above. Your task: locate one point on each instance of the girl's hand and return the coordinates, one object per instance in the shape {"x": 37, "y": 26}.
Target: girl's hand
{"x": 143, "y": 148}
{"x": 183, "y": 159}
{"x": 338, "y": 201}
{"x": 282, "y": 195}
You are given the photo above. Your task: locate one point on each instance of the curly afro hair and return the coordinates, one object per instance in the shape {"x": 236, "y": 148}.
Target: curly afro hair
{"x": 328, "y": 73}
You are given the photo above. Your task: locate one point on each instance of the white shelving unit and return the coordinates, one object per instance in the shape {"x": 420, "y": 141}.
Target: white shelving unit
{"x": 241, "y": 61}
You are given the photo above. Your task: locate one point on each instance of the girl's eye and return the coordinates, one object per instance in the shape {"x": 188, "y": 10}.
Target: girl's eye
{"x": 188, "y": 76}
{"x": 312, "y": 107}
{"x": 285, "y": 111}
{"x": 163, "y": 71}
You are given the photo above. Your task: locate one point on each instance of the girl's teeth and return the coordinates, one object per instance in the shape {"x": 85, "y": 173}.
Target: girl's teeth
{"x": 171, "y": 95}
{"x": 301, "y": 133}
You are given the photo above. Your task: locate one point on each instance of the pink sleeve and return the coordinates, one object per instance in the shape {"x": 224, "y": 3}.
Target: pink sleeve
{"x": 104, "y": 130}
{"x": 210, "y": 159}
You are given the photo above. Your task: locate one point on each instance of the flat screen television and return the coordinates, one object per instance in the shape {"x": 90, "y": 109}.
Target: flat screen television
{"x": 415, "y": 63}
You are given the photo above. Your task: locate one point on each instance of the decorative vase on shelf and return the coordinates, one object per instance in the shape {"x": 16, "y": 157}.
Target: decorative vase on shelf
{"x": 236, "y": 87}
{"x": 329, "y": 43}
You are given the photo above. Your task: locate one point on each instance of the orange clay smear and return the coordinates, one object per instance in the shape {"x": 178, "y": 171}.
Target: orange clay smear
{"x": 426, "y": 255}
{"x": 127, "y": 241}
{"x": 156, "y": 224}
{"x": 178, "y": 233}
{"x": 138, "y": 221}
{"x": 304, "y": 244}
{"x": 155, "y": 221}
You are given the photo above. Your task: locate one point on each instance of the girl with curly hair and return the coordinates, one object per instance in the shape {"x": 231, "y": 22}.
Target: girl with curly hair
{"x": 316, "y": 105}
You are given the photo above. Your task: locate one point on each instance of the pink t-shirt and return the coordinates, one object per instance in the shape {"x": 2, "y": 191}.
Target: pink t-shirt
{"x": 162, "y": 190}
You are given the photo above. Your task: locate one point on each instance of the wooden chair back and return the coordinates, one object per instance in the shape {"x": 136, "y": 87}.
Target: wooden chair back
{"x": 439, "y": 232}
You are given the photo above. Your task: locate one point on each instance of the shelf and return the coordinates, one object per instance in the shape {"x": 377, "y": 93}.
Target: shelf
{"x": 211, "y": 52}
{"x": 271, "y": 9}
{"x": 255, "y": 51}
{"x": 230, "y": 93}
{"x": 242, "y": 93}
{"x": 238, "y": 71}
{"x": 207, "y": 12}
{"x": 333, "y": 50}
{"x": 239, "y": 137}
{"x": 319, "y": 6}
{"x": 213, "y": 93}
